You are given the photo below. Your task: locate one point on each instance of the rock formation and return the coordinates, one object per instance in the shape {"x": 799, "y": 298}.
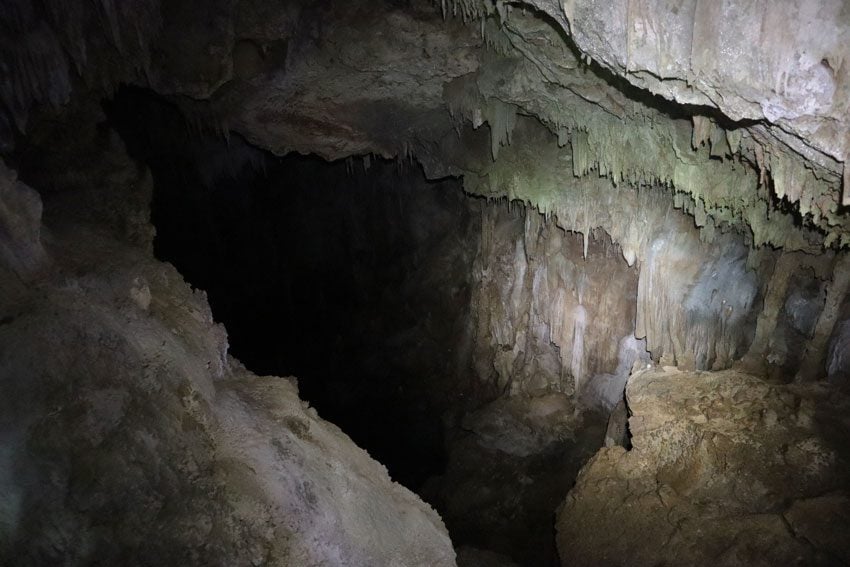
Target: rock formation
{"x": 130, "y": 436}
{"x": 519, "y": 221}
{"x": 724, "y": 469}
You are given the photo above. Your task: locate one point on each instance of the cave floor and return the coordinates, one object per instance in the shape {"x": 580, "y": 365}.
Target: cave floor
{"x": 510, "y": 465}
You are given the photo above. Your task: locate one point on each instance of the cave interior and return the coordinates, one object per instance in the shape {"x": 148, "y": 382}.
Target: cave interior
{"x": 400, "y": 282}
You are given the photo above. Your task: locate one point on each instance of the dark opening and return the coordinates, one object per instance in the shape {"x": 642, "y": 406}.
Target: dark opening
{"x": 358, "y": 277}
{"x": 352, "y": 276}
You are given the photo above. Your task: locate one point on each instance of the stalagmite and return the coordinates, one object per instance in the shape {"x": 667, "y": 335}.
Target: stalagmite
{"x": 577, "y": 364}
{"x": 774, "y": 301}
{"x": 814, "y": 367}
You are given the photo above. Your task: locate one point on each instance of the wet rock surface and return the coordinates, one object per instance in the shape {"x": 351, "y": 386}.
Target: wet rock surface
{"x": 725, "y": 469}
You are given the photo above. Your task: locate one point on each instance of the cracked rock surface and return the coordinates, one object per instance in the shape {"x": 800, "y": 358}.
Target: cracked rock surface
{"x": 781, "y": 60}
{"x": 725, "y": 469}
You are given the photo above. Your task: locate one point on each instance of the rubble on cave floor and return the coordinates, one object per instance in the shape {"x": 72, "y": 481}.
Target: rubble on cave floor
{"x": 510, "y": 465}
{"x": 725, "y": 469}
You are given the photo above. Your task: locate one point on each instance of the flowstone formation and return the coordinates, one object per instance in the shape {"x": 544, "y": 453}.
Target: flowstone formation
{"x": 552, "y": 312}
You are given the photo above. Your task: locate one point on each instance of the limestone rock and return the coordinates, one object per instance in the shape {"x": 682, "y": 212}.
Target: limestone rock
{"x": 725, "y": 469}
{"x": 778, "y": 61}
{"x": 129, "y": 437}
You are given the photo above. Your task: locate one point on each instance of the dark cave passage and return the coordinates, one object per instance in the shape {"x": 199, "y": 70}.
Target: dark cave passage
{"x": 359, "y": 278}
{"x": 352, "y": 276}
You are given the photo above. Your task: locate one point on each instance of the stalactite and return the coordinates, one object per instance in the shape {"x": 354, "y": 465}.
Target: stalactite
{"x": 845, "y": 195}
{"x": 494, "y": 37}
{"x": 502, "y": 120}
{"x": 41, "y": 42}
{"x": 701, "y": 131}
{"x": 640, "y": 146}
{"x": 37, "y": 70}
{"x": 578, "y": 349}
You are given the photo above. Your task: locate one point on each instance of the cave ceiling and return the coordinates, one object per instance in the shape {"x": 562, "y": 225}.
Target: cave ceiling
{"x": 734, "y": 113}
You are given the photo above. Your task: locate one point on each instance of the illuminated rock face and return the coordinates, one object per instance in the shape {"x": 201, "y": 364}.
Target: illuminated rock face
{"x": 777, "y": 63}
{"x": 725, "y": 469}
{"x": 131, "y": 437}
{"x": 549, "y": 317}
{"x": 727, "y": 104}
{"x": 648, "y": 183}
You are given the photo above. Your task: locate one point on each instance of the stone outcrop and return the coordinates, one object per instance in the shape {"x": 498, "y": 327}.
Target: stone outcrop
{"x": 725, "y": 469}
{"x": 129, "y": 436}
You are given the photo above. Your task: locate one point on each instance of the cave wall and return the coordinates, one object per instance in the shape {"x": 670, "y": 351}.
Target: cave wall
{"x": 550, "y": 310}
{"x": 723, "y": 214}
{"x": 130, "y": 436}
{"x": 737, "y": 141}
{"x": 547, "y": 316}
{"x": 696, "y": 314}
{"x": 611, "y": 141}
